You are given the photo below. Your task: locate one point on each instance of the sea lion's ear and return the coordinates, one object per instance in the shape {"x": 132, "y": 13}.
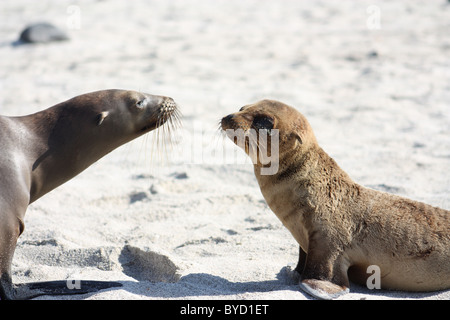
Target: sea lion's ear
{"x": 102, "y": 117}
{"x": 297, "y": 138}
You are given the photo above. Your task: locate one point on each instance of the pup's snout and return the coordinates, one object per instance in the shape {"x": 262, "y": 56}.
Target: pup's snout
{"x": 226, "y": 121}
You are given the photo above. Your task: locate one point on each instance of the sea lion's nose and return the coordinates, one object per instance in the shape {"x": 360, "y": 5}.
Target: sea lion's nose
{"x": 168, "y": 104}
{"x": 227, "y": 118}
{"x": 169, "y": 100}
{"x": 226, "y": 121}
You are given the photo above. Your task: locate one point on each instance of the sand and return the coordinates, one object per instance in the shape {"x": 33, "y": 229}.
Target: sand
{"x": 189, "y": 222}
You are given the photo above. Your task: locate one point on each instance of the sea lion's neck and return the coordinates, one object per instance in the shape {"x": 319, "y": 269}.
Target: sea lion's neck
{"x": 310, "y": 164}
{"x": 293, "y": 174}
{"x": 291, "y": 164}
{"x": 302, "y": 175}
{"x": 62, "y": 147}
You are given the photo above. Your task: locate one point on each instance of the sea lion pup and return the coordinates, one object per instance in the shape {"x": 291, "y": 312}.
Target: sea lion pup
{"x": 341, "y": 226}
{"x": 41, "y": 151}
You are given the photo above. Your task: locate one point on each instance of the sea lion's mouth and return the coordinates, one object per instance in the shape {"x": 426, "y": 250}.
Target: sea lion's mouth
{"x": 159, "y": 122}
{"x": 149, "y": 127}
{"x": 167, "y": 112}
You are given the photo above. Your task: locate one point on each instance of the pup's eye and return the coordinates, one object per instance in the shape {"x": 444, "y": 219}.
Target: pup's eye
{"x": 262, "y": 122}
{"x": 141, "y": 104}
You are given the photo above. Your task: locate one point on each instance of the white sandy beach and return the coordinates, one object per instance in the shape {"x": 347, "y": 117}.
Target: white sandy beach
{"x": 372, "y": 77}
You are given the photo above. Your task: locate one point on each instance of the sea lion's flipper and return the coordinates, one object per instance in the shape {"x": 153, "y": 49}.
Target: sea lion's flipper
{"x": 325, "y": 273}
{"x": 69, "y": 287}
{"x": 322, "y": 289}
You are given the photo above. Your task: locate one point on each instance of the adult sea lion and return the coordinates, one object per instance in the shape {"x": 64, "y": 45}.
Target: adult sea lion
{"x": 342, "y": 227}
{"x": 41, "y": 151}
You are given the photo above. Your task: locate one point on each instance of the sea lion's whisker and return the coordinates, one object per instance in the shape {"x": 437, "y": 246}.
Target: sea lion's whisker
{"x": 176, "y": 117}
{"x": 161, "y": 138}
{"x": 164, "y": 140}
{"x": 169, "y": 119}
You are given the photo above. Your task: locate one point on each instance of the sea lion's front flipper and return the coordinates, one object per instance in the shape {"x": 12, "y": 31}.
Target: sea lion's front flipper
{"x": 68, "y": 287}
{"x": 322, "y": 289}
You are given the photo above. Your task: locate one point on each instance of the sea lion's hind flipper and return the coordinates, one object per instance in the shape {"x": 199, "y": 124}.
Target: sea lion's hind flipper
{"x": 63, "y": 287}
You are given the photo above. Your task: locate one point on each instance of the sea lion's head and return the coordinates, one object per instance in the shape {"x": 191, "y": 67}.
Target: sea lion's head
{"x": 256, "y": 127}
{"x": 100, "y": 121}
{"x": 135, "y": 112}
{"x": 81, "y": 130}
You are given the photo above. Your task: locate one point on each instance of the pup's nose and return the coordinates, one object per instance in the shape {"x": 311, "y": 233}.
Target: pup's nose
{"x": 226, "y": 121}
{"x": 228, "y": 117}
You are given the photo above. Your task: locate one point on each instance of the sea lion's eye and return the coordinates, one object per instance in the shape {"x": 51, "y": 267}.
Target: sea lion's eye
{"x": 141, "y": 104}
{"x": 262, "y": 122}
